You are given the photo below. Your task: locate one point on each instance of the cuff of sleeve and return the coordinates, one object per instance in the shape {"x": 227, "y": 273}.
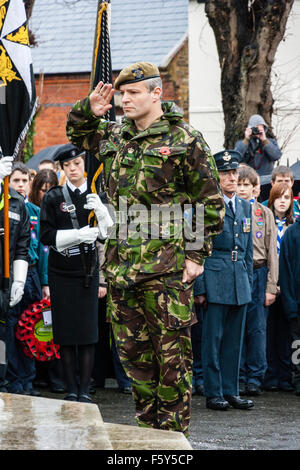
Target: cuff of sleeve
{"x": 86, "y": 106}
{"x": 292, "y": 315}
{"x": 196, "y": 257}
{"x": 271, "y": 289}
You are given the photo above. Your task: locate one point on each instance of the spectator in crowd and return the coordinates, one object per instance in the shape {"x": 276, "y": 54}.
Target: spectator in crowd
{"x": 42, "y": 182}
{"x": 278, "y": 375}
{"x": 258, "y": 149}
{"x": 50, "y": 373}
{"x": 264, "y": 287}
{"x": 21, "y": 368}
{"x": 283, "y": 174}
{"x": 47, "y": 164}
{"x": 289, "y": 275}
{"x": 53, "y": 165}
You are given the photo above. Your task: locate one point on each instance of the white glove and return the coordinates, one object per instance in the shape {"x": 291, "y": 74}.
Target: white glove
{"x": 67, "y": 238}
{"x": 88, "y": 234}
{"x": 104, "y": 219}
{"x": 5, "y": 167}
{"x": 20, "y": 268}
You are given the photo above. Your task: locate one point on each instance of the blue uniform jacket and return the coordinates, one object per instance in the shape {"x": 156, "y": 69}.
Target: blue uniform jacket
{"x": 228, "y": 272}
{"x": 289, "y": 270}
{"x": 38, "y": 252}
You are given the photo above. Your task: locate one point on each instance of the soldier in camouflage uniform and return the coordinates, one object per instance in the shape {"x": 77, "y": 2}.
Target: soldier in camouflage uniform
{"x": 153, "y": 158}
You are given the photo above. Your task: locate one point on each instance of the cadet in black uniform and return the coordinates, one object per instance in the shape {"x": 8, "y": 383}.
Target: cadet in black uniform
{"x": 73, "y": 270}
{"x": 19, "y": 238}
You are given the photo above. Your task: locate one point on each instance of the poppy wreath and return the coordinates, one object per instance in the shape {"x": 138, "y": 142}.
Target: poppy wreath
{"x": 36, "y": 338}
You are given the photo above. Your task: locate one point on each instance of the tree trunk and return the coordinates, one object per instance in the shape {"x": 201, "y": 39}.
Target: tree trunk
{"x": 247, "y": 38}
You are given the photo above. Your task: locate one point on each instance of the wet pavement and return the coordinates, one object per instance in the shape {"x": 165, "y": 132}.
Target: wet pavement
{"x": 273, "y": 423}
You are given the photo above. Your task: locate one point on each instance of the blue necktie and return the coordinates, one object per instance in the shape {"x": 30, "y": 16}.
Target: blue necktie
{"x": 230, "y": 205}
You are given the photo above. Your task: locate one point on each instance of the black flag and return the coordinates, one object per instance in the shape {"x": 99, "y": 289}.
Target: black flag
{"x": 17, "y": 108}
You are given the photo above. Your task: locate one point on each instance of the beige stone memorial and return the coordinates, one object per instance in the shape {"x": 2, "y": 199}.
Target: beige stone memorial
{"x": 35, "y": 423}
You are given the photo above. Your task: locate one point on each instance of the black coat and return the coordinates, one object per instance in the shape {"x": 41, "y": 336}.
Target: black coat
{"x": 19, "y": 240}
{"x": 289, "y": 270}
{"x": 74, "y": 306}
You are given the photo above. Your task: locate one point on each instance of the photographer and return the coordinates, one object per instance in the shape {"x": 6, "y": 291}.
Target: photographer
{"x": 257, "y": 150}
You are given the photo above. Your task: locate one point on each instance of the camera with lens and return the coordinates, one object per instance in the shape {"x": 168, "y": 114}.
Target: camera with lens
{"x": 255, "y": 130}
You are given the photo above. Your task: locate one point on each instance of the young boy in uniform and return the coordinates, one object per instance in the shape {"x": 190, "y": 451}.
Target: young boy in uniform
{"x": 265, "y": 276}
{"x": 21, "y": 369}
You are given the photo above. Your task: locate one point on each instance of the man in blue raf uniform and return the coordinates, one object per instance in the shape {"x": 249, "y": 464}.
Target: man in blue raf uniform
{"x": 225, "y": 291}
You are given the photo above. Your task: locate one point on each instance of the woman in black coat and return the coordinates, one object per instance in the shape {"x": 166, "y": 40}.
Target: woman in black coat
{"x": 73, "y": 270}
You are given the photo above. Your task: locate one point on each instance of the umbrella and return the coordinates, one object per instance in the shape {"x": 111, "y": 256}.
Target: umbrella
{"x": 48, "y": 153}
{"x": 265, "y": 187}
{"x": 296, "y": 171}
{"x": 265, "y": 183}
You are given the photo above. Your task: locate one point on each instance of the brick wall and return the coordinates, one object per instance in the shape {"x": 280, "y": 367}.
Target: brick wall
{"x": 176, "y": 80}
{"x": 57, "y": 93}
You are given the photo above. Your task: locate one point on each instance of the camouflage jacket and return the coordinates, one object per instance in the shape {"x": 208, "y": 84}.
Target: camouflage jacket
{"x": 167, "y": 165}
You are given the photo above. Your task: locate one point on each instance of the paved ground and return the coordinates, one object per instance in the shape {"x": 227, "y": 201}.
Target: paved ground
{"x": 273, "y": 424}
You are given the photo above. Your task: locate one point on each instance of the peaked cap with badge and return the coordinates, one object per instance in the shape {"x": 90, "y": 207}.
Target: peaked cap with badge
{"x": 227, "y": 160}
{"x": 136, "y": 72}
{"x": 68, "y": 152}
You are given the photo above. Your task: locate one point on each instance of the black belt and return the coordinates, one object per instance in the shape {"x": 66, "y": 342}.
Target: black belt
{"x": 233, "y": 255}
{"x": 31, "y": 266}
{"x": 257, "y": 266}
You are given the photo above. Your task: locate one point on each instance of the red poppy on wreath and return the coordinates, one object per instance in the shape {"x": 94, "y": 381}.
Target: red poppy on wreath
{"x": 35, "y": 336}
{"x": 165, "y": 151}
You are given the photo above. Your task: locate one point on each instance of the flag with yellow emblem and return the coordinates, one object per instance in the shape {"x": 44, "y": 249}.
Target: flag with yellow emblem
{"x": 17, "y": 88}
{"x": 17, "y": 108}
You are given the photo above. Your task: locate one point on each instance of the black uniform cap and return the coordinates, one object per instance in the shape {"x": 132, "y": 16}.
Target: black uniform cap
{"x": 227, "y": 160}
{"x": 68, "y": 152}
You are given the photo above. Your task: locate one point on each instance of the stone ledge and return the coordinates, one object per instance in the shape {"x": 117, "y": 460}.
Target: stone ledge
{"x": 125, "y": 437}
{"x": 36, "y": 423}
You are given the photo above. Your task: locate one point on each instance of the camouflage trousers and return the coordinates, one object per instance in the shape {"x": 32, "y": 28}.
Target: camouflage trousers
{"x": 155, "y": 352}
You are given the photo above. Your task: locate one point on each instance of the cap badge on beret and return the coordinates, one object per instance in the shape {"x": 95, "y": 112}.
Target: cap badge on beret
{"x": 138, "y": 73}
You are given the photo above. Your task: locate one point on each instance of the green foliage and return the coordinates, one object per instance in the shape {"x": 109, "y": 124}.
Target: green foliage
{"x": 28, "y": 150}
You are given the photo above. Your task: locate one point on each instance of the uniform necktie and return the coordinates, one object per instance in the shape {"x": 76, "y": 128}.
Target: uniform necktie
{"x": 280, "y": 223}
{"x": 231, "y": 207}
{"x": 77, "y": 193}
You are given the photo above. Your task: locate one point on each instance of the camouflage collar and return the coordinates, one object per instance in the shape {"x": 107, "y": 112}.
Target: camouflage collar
{"x": 171, "y": 113}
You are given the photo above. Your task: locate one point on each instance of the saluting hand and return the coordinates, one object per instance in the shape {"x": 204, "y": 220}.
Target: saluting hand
{"x": 100, "y": 99}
